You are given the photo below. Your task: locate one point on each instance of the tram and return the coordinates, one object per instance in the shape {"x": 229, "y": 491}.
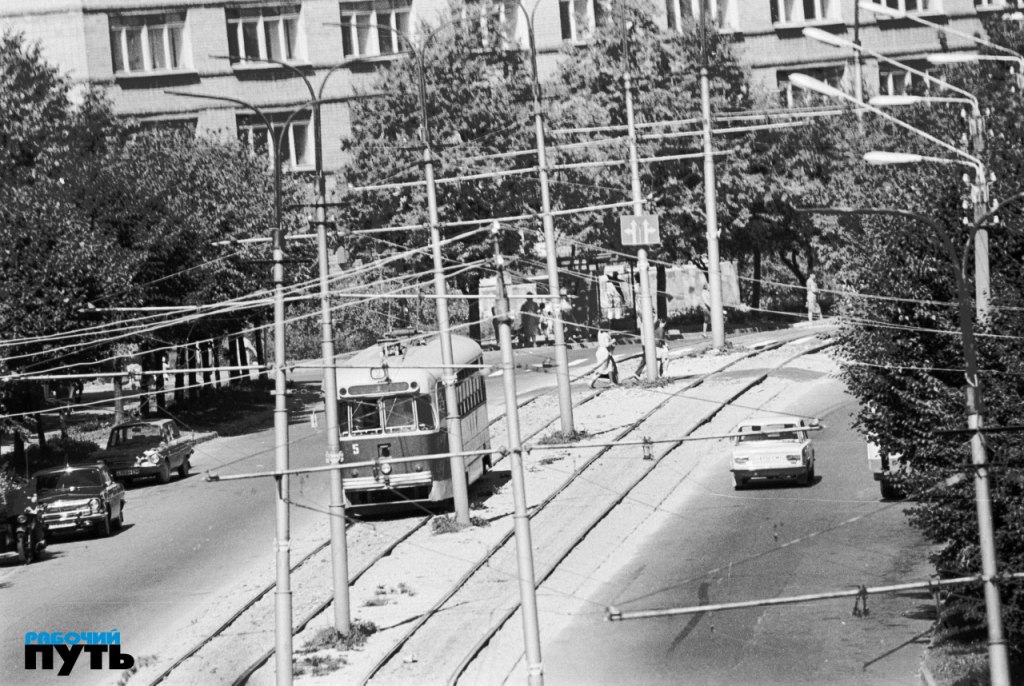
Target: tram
{"x": 391, "y": 404}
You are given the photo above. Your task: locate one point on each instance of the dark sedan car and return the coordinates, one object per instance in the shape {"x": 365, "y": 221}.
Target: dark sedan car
{"x": 79, "y": 498}
{"x": 147, "y": 448}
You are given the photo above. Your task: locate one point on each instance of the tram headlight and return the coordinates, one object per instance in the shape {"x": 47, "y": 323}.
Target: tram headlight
{"x": 418, "y": 466}
{"x": 385, "y": 469}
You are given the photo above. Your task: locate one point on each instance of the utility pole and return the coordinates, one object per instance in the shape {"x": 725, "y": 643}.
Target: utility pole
{"x": 460, "y": 487}
{"x": 524, "y": 545}
{"x": 646, "y": 309}
{"x": 710, "y": 199}
{"x": 336, "y": 509}
{"x": 554, "y": 289}
{"x": 980, "y": 202}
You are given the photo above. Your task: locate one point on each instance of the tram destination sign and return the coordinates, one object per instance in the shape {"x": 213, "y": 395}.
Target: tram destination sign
{"x": 639, "y": 229}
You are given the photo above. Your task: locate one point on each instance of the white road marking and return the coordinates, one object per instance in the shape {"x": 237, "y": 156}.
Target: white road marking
{"x": 576, "y": 362}
{"x": 497, "y": 373}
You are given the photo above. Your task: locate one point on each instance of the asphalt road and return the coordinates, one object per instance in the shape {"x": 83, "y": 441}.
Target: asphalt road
{"x": 716, "y": 545}
{"x": 189, "y": 544}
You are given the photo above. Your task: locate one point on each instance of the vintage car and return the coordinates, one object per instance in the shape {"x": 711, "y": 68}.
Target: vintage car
{"x": 147, "y": 448}
{"x": 885, "y": 469}
{"x": 773, "y": 448}
{"x": 79, "y": 498}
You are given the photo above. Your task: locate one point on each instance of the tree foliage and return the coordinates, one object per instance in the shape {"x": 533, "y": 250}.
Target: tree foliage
{"x": 900, "y": 342}
{"x": 94, "y": 211}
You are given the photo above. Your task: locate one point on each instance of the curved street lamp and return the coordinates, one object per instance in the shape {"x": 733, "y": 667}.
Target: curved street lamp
{"x": 997, "y": 649}
{"x": 282, "y": 545}
{"x": 982, "y": 285}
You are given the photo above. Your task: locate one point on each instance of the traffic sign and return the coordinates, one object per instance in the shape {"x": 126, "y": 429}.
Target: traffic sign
{"x": 639, "y": 229}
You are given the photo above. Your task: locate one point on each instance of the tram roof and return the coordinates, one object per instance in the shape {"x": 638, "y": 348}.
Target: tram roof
{"x": 420, "y": 363}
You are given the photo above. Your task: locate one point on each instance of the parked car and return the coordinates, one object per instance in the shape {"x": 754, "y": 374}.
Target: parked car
{"x": 884, "y": 469}
{"x": 147, "y": 448}
{"x": 79, "y": 498}
{"x": 773, "y": 448}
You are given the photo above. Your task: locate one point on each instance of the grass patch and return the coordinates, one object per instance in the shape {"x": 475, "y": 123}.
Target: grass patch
{"x": 660, "y": 382}
{"x": 551, "y": 459}
{"x": 447, "y": 525}
{"x": 958, "y": 655}
{"x": 559, "y": 437}
{"x": 317, "y": 665}
{"x": 330, "y": 638}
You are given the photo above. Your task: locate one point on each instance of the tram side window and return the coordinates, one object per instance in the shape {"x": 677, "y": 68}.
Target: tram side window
{"x": 425, "y": 412}
{"x": 398, "y": 413}
{"x": 365, "y": 416}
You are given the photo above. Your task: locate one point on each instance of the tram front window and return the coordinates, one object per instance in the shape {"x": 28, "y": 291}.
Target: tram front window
{"x": 398, "y": 413}
{"x": 425, "y": 412}
{"x": 365, "y": 416}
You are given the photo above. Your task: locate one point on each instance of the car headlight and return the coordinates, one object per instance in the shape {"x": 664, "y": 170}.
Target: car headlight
{"x": 95, "y": 504}
{"x": 22, "y": 519}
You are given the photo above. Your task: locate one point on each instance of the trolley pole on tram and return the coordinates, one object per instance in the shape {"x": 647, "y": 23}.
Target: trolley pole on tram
{"x": 524, "y": 544}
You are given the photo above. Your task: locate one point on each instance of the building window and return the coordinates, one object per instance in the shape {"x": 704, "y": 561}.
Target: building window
{"x": 915, "y": 5}
{"x": 263, "y": 33}
{"x": 722, "y": 13}
{"x": 803, "y": 11}
{"x": 148, "y": 42}
{"x": 496, "y": 19}
{"x": 791, "y": 96}
{"x": 296, "y": 142}
{"x": 580, "y": 18}
{"x": 372, "y": 28}
{"x": 895, "y": 81}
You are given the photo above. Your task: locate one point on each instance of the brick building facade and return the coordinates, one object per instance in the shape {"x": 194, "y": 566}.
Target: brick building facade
{"x": 140, "y": 49}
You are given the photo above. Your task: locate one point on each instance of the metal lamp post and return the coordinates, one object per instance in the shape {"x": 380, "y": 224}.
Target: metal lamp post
{"x": 282, "y": 543}
{"x": 554, "y": 289}
{"x": 997, "y": 649}
{"x": 979, "y": 193}
{"x": 710, "y": 199}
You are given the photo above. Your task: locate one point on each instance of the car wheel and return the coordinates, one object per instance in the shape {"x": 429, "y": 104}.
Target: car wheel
{"x": 808, "y": 479}
{"x": 183, "y": 469}
{"x": 889, "y": 489}
{"x": 164, "y": 475}
{"x": 103, "y": 526}
{"x": 738, "y": 482}
{"x": 119, "y": 522}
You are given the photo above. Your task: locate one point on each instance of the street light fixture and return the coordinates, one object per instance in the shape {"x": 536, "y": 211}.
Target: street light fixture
{"x": 893, "y": 13}
{"x": 979, "y": 191}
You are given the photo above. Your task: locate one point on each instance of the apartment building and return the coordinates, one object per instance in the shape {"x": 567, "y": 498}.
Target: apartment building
{"x": 146, "y": 52}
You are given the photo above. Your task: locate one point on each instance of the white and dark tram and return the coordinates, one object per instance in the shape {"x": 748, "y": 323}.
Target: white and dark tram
{"x": 391, "y": 404}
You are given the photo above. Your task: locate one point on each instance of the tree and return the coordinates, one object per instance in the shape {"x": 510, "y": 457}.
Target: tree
{"x": 900, "y": 344}
{"x": 476, "y": 93}
{"x": 665, "y": 69}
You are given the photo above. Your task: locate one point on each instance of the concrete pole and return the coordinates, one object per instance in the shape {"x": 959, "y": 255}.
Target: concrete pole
{"x": 982, "y": 281}
{"x": 524, "y": 545}
{"x": 336, "y": 509}
{"x": 460, "y": 487}
{"x": 710, "y": 199}
{"x": 282, "y": 544}
{"x": 646, "y": 310}
{"x": 554, "y": 289}
{"x": 457, "y": 464}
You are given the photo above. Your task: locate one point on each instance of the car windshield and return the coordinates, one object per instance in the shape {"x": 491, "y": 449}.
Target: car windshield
{"x": 77, "y": 478}
{"x": 136, "y": 433}
{"x": 770, "y": 432}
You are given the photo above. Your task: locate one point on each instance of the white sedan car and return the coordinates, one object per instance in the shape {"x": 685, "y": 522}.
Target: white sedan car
{"x": 773, "y": 448}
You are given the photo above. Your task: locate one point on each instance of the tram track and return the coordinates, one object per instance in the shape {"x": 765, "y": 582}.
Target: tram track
{"x": 323, "y": 548}
{"x": 484, "y": 561}
{"x": 398, "y": 537}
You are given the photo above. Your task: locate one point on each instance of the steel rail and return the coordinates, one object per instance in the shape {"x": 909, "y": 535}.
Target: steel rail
{"x": 486, "y": 557}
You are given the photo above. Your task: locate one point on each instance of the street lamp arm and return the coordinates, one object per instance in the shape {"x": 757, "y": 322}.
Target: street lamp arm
{"x": 878, "y": 8}
{"x": 804, "y": 81}
{"x": 991, "y": 213}
{"x": 223, "y": 98}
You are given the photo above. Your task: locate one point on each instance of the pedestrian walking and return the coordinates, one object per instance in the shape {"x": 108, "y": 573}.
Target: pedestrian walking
{"x": 495, "y": 323}
{"x": 813, "y": 308}
{"x": 606, "y": 367}
{"x": 705, "y": 309}
{"x": 528, "y": 328}
{"x": 616, "y": 297}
